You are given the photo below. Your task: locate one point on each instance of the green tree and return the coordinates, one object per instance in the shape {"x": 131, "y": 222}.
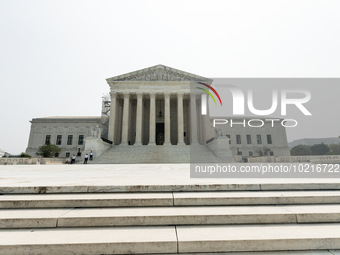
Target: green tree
{"x": 48, "y": 150}
{"x": 334, "y": 149}
{"x": 319, "y": 149}
{"x": 24, "y": 155}
{"x": 301, "y": 150}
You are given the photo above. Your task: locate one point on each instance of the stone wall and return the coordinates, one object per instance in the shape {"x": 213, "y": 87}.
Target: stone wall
{"x": 294, "y": 159}
{"x": 31, "y": 161}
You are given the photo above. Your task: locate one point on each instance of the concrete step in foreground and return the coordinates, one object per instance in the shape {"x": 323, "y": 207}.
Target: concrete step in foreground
{"x": 187, "y": 187}
{"x": 170, "y": 239}
{"x": 163, "y": 216}
{"x": 168, "y": 199}
{"x": 309, "y": 252}
{"x": 87, "y": 200}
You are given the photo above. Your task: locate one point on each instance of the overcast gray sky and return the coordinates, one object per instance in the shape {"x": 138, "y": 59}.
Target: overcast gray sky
{"x": 56, "y": 55}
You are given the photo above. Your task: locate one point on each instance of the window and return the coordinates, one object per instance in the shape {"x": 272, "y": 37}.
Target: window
{"x": 67, "y": 154}
{"x": 69, "y": 139}
{"x": 48, "y": 139}
{"x": 271, "y": 153}
{"x": 238, "y": 139}
{"x": 58, "y": 142}
{"x": 81, "y": 140}
{"x": 250, "y": 153}
{"x": 248, "y": 139}
{"x": 269, "y": 139}
{"x": 259, "y": 139}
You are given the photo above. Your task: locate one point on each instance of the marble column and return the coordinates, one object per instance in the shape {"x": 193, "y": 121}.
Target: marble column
{"x": 167, "y": 119}
{"x": 193, "y": 119}
{"x": 180, "y": 119}
{"x": 152, "y": 127}
{"x": 112, "y": 121}
{"x": 139, "y": 115}
{"x": 125, "y": 129}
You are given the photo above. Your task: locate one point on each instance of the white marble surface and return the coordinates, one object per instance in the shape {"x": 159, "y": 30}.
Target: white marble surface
{"x": 163, "y": 239}
{"x": 89, "y": 241}
{"x": 168, "y": 199}
{"x": 197, "y": 215}
{"x": 135, "y": 177}
{"x": 31, "y": 218}
{"x": 309, "y": 252}
{"x": 200, "y": 215}
{"x": 256, "y": 197}
{"x": 85, "y": 200}
{"x": 258, "y": 237}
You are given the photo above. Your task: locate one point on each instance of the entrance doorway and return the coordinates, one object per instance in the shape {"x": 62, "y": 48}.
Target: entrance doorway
{"x": 159, "y": 133}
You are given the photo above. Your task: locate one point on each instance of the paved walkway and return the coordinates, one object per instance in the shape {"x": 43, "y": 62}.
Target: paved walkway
{"x": 134, "y": 177}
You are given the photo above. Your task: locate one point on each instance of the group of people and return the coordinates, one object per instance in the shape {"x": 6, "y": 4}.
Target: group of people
{"x": 72, "y": 159}
{"x": 86, "y": 157}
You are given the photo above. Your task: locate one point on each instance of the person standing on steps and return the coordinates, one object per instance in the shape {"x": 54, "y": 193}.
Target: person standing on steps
{"x": 91, "y": 156}
{"x": 86, "y": 158}
{"x": 73, "y": 159}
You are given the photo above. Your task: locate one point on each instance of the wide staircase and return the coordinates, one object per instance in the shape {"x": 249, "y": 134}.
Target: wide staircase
{"x": 124, "y": 154}
{"x": 300, "y": 218}
{"x": 121, "y": 154}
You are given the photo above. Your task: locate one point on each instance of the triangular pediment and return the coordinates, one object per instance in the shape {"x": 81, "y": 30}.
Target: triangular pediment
{"x": 159, "y": 73}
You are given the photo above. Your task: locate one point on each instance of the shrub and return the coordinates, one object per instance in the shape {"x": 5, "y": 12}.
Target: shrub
{"x": 24, "y": 155}
{"x": 48, "y": 150}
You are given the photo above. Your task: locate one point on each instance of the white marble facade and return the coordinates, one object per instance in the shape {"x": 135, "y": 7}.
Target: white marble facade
{"x": 149, "y": 107}
{"x": 248, "y": 141}
{"x": 68, "y": 133}
{"x": 153, "y": 106}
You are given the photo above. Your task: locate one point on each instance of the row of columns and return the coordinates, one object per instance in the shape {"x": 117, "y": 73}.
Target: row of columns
{"x": 152, "y": 126}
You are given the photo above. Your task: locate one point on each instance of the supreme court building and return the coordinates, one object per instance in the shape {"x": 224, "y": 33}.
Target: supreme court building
{"x": 153, "y": 109}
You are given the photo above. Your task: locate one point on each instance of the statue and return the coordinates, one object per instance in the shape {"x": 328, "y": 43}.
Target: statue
{"x": 218, "y": 133}
{"x": 96, "y": 131}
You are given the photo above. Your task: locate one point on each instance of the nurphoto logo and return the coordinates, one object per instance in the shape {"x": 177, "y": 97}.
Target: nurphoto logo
{"x": 280, "y": 99}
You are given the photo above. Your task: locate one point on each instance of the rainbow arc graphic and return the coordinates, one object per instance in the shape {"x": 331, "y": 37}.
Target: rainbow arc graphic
{"x": 209, "y": 93}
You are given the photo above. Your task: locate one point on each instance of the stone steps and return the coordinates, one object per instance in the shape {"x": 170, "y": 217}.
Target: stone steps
{"x": 305, "y": 252}
{"x": 164, "y": 216}
{"x": 170, "y": 239}
{"x": 121, "y": 154}
{"x": 86, "y": 200}
{"x": 89, "y": 241}
{"x": 158, "y": 209}
{"x": 99, "y": 200}
{"x": 210, "y": 187}
{"x": 258, "y": 237}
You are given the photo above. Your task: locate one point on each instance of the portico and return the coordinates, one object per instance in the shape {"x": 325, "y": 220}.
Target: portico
{"x": 154, "y": 106}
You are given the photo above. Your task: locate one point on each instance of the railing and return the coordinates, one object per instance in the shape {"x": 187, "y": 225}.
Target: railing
{"x": 210, "y": 140}
{"x": 106, "y": 140}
